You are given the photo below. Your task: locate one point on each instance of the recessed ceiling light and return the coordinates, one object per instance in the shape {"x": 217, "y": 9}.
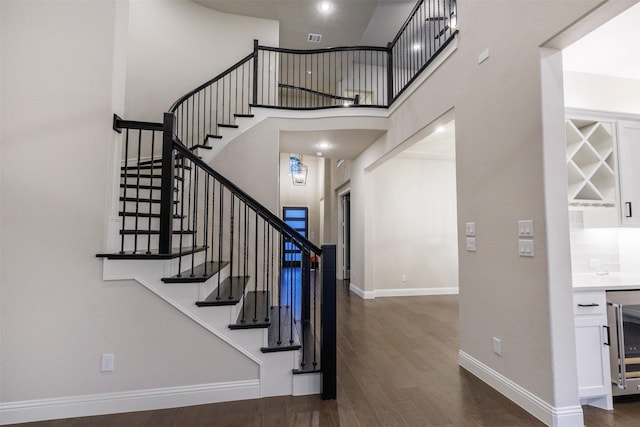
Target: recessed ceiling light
{"x": 325, "y": 7}
{"x": 319, "y": 153}
{"x": 440, "y": 129}
{"x": 324, "y": 145}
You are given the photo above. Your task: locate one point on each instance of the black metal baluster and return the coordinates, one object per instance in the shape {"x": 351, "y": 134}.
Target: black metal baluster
{"x": 194, "y": 226}
{"x": 153, "y": 140}
{"x": 137, "y": 201}
{"x": 255, "y": 270}
{"x": 220, "y": 233}
{"x": 206, "y": 224}
{"x": 181, "y": 162}
{"x": 124, "y": 191}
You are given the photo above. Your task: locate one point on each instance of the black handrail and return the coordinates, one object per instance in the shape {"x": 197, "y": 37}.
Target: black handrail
{"x": 315, "y": 92}
{"x": 183, "y": 98}
{"x": 322, "y": 50}
{"x": 265, "y": 213}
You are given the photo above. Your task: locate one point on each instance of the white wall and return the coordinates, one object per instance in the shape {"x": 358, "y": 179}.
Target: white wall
{"x": 500, "y": 179}
{"x": 601, "y": 93}
{"x": 175, "y": 45}
{"x": 57, "y": 314}
{"x": 415, "y": 226}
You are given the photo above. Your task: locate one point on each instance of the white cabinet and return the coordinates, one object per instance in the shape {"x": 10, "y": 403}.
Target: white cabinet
{"x": 629, "y": 169}
{"x": 591, "y": 162}
{"x": 592, "y": 350}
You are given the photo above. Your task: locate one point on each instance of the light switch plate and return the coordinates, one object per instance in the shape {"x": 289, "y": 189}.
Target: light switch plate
{"x": 471, "y": 244}
{"x": 525, "y": 247}
{"x": 470, "y": 229}
{"x": 525, "y": 228}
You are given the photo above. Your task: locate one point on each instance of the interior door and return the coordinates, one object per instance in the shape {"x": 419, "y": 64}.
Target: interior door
{"x": 346, "y": 236}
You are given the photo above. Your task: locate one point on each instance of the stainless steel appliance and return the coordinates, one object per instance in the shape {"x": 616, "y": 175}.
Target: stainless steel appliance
{"x": 623, "y": 313}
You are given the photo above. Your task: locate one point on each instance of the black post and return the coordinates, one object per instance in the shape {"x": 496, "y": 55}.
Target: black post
{"x": 389, "y": 74}
{"x": 166, "y": 189}
{"x": 328, "y": 333}
{"x": 305, "y": 291}
{"x": 255, "y": 72}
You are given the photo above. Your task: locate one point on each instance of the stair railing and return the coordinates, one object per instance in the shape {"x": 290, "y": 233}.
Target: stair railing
{"x": 214, "y": 220}
{"x": 216, "y": 102}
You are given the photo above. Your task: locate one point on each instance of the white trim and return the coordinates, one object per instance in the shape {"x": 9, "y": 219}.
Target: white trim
{"x": 359, "y": 292}
{"x": 128, "y": 401}
{"x": 406, "y": 292}
{"x": 305, "y": 384}
{"x": 381, "y": 293}
{"x": 568, "y": 416}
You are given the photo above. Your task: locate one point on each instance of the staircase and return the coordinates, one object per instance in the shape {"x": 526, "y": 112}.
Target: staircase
{"x": 214, "y": 253}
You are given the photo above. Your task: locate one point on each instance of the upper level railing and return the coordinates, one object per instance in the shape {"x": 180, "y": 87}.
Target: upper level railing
{"x": 366, "y": 76}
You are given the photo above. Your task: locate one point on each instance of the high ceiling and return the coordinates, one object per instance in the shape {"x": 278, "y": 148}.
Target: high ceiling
{"x": 348, "y": 23}
{"x": 610, "y": 50}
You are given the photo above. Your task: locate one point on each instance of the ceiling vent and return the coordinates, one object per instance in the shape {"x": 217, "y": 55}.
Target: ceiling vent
{"x": 314, "y": 38}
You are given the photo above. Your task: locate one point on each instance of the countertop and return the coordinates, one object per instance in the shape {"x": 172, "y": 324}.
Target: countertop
{"x": 607, "y": 282}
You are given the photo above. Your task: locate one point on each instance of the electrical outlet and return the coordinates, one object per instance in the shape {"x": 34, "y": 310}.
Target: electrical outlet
{"x": 106, "y": 362}
{"x": 497, "y": 346}
{"x": 403, "y": 278}
{"x": 525, "y": 248}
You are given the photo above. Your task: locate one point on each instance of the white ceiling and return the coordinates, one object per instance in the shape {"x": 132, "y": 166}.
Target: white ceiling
{"x": 350, "y": 22}
{"x": 342, "y": 144}
{"x": 611, "y": 50}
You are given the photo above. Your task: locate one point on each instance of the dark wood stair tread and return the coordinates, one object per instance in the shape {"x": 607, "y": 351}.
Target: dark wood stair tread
{"x": 213, "y": 136}
{"x": 146, "y": 176}
{"x": 243, "y": 115}
{"x": 254, "y": 311}
{"x": 143, "y": 200}
{"x": 230, "y": 292}
{"x": 227, "y": 125}
{"x": 199, "y": 273}
{"x": 154, "y": 232}
{"x": 142, "y": 254}
{"x": 145, "y": 215}
{"x": 282, "y": 337}
{"x": 203, "y": 146}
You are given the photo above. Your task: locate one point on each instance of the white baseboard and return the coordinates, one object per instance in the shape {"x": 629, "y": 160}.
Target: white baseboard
{"x": 382, "y": 293}
{"x": 407, "y": 292}
{"x": 568, "y": 416}
{"x": 362, "y": 294}
{"x": 304, "y": 384}
{"x": 129, "y": 401}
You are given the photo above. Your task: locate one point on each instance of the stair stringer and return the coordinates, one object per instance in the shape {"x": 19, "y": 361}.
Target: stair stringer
{"x": 276, "y": 369}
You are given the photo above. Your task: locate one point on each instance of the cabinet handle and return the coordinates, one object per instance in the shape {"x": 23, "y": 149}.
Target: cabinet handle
{"x": 608, "y": 342}
{"x": 593, "y": 304}
{"x": 629, "y": 212}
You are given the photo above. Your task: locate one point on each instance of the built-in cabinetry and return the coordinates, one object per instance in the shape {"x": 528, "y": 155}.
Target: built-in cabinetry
{"x": 591, "y": 162}
{"x": 592, "y": 350}
{"x": 603, "y": 151}
{"x": 629, "y": 165}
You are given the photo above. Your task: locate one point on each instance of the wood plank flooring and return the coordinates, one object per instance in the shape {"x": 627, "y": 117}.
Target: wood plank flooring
{"x": 397, "y": 366}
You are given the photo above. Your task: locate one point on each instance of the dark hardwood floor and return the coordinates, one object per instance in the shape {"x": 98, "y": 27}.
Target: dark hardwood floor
{"x": 397, "y": 366}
